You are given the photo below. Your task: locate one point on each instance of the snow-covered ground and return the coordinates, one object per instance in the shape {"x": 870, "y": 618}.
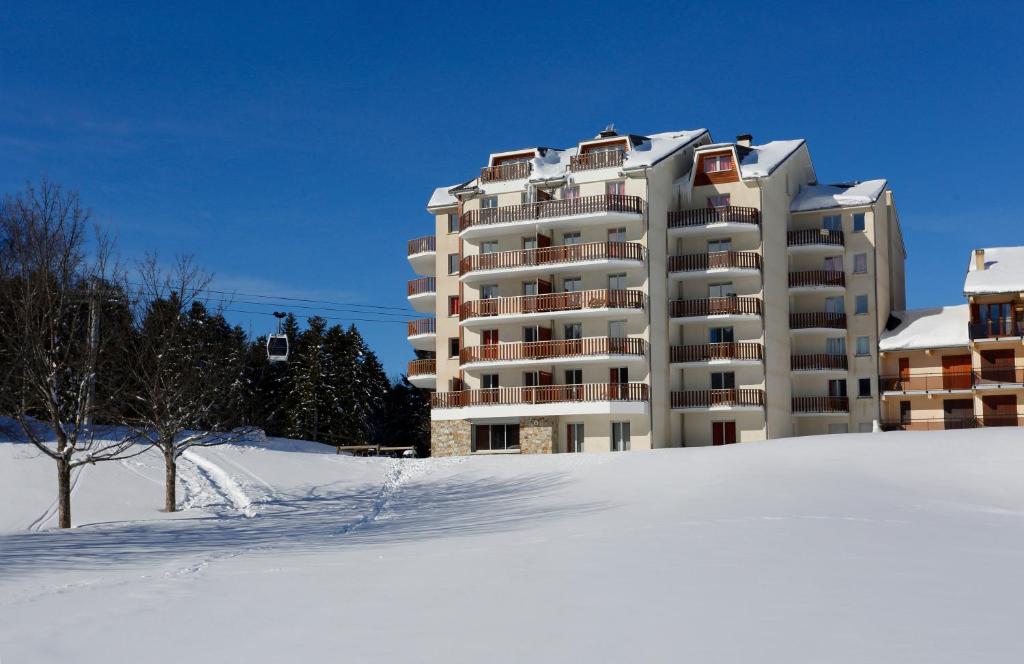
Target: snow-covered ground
{"x": 901, "y": 547}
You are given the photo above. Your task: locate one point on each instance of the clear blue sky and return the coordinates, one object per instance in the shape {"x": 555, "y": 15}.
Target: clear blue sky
{"x": 292, "y": 149}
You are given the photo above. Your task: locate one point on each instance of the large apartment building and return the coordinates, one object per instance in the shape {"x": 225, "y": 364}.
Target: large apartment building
{"x": 648, "y": 291}
{"x": 960, "y": 366}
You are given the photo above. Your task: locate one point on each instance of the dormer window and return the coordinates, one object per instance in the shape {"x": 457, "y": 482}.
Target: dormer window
{"x": 718, "y": 163}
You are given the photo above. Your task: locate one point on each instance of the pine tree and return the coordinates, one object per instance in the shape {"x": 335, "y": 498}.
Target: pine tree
{"x": 309, "y": 396}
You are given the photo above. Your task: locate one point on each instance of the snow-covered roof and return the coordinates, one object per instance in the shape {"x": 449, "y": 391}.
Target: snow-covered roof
{"x": 552, "y": 164}
{"x": 1003, "y": 273}
{"x": 760, "y": 160}
{"x": 442, "y": 197}
{"x": 937, "y": 327}
{"x": 825, "y": 196}
{"x": 659, "y": 146}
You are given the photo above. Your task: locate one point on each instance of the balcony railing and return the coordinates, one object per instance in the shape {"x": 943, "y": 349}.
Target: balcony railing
{"x": 713, "y": 306}
{"x": 817, "y": 278}
{"x": 930, "y": 424}
{"x": 817, "y": 319}
{"x": 719, "y": 215}
{"x": 600, "y": 159}
{"x": 721, "y": 351}
{"x": 747, "y": 260}
{"x": 550, "y": 302}
{"x": 821, "y": 405}
{"x": 422, "y": 367}
{"x": 817, "y": 362}
{"x": 516, "y": 170}
{"x": 998, "y": 375}
{"x": 422, "y": 286}
{"x": 567, "y": 253}
{"x": 814, "y": 236}
{"x": 991, "y": 329}
{"x": 421, "y": 245}
{"x": 717, "y": 398}
{"x": 948, "y": 380}
{"x": 541, "y": 394}
{"x": 566, "y": 207}
{"x": 422, "y": 326}
{"x": 537, "y": 350}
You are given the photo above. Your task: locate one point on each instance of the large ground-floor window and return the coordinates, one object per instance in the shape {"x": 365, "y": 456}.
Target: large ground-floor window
{"x": 620, "y": 437}
{"x": 495, "y": 437}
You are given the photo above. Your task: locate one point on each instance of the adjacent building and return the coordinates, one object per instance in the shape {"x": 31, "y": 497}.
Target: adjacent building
{"x": 638, "y": 291}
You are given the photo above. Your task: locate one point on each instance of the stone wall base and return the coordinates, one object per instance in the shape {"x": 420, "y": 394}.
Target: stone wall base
{"x": 450, "y": 438}
{"x": 537, "y": 435}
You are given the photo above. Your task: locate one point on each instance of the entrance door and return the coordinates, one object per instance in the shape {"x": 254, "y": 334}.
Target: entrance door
{"x": 904, "y": 373}
{"x": 574, "y": 437}
{"x": 618, "y": 377}
{"x": 723, "y": 433}
{"x": 956, "y": 372}
{"x": 905, "y": 416}
{"x": 999, "y": 410}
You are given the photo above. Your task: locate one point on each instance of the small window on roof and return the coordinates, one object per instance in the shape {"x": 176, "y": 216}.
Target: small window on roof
{"x": 716, "y": 163}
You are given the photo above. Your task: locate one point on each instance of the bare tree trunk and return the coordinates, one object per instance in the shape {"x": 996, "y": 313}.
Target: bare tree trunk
{"x": 170, "y": 477}
{"x": 63, "y": 493}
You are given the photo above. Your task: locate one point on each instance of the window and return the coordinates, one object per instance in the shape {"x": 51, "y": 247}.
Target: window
{"x": 835, "y": 346}
{"x": 574, "y": 437}
{"x": 574, "y": 376}
{"x": 860, "y": 263}
{"x": 616, "y": 188}
{"x": 453, "y": 263}
{"x": 863, "y": 387}
{"x": 861, "y": 304}
{"x": 453, "y": 305}
{"x": 837, "y": 387}
{"x": 531, "y": 334}
{"x": 489, "y": 291}
{"x": 905, "y": 412}
{"x": 723, "y": 380}
{"x": 571, "y": 238}
{"x": 716, "y": 163}
{"x": 489, "y": 202}
{"x": 529, "y": 288}
{"x": 453, "y": 223}
{"x": 835, "y": 305}
{"x": 719, "y": 201}
{"x": 833, "y": 264}
{"x": 620, "y": 437}
{"x": 715, "y": 246}
{"x": 489, "y": 247}
{"x": 488, "y": 337}
{"x": 618, "y": 375}
{"x": 489, "y": 381}
{"x": 858, "y": 222}
{"x": 863, "y": 346}
{"x": 617, "y": 329}
{"x": 723, "y": 433}
{"x": 832, "y": 222}
{"x": 573, "y": 330}
{"x": 453, "y": 346}
{"x": 570, "y": 192}
{"x": 721, "y": 290}
{"x": 720, "y": 335}
{"x": 530, "y": 242}
{"x": 572, "y": 284}
{"x": 495, "y": 437}
{"x": 616, "y": 234}
{"x": 531, "y": 379}
{"x": 617, "y": 281}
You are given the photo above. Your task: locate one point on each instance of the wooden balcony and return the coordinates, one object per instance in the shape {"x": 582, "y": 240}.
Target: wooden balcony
{"x": 817, "y": 279}
{"x": 822, "y": 405}
{"x": 717, "y": 260}
{"x": 715, "y": 306}
{"x": 553, "y": 302}
{"x": 932, "y": 424}
{"x": 711, "y": 352}
{"x": 421, "y": 245}
{"x": 927, "y": 382}
{"x": 422, "y": 326}
{"x": 422, "y": 368}
{"x": 542, "y": 394}
{"x": 731, "y": 214}
{"x": 998, "y": 375}
{"x": 516, "y": 170}
{"x": 569, "y": 253}
{"x": 994, "y": 329}
{"x": 818, "y": 362}
{"x": 588, "y": 161}
{"x": 817, "y": 319}
{"x": 737, "y": 398}
{"x": 541, "y": 210}
{"x": 543, "y": 350}
{"x": 422, "y": 286}
{"x": 815, "y": 236}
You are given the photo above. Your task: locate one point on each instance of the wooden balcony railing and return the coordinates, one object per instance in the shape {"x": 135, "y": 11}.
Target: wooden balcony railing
{"x": 537, "y": 350}
{"x": 997, "y": 375}
{"x": 722, "y": 351}
{"x": 705, "y": 216}
{"x": 566, "y": 207}
{"x": 817, "y": 319}
{"x": 601, "y": 159}
{"x": 747, "y": 260}
{"x": 422, "y": 367}
{"x": 712, "y": 306}
{"x": 991, "y": 329}
{"x": 550, "y": 302}
{"x": 817, "y": 362}
{"x": 814, "y": 236}
{"x": 817, "y": 278}
{"x": 421, "y": 245}
{"x": 566, "y": 253}
{"x": 931, "y": 424}
{"x": 516, "y": 170}
{"x": 541, "y": 394}
{"x": 937, "y": 381}
{"x": 821, "y": 405}
{"x": 713, "y": 398}
{"x": 422, "y": 286}
{"x": 422, "y": 326}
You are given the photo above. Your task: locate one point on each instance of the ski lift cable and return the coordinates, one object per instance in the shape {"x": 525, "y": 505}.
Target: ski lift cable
{"x": 330, "y": 318}
{"x": 285, "y": 298}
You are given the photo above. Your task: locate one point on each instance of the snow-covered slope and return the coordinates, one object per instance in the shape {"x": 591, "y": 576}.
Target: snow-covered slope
{"x": 880, "y": 547}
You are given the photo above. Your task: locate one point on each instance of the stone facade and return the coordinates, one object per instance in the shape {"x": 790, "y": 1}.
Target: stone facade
{"x": 450, "y": 438}
{"x": 537, "y": 435}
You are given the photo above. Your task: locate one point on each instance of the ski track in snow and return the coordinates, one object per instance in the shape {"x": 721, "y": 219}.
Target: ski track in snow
{"x": 52, "y": 510}
{"x": 222, "y": 482}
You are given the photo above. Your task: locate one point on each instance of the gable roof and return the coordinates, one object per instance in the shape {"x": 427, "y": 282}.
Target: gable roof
{"x": 1003, "y": 272}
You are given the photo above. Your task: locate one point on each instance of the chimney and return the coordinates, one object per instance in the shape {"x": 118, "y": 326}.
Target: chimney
{"x": 979, "y": 259}
{"x": 745, "y": 140}
{"x": 607, "y": 132}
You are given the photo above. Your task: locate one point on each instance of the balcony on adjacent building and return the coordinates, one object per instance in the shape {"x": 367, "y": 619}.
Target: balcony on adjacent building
{"x": 610, "y": 208}
{"x": 731, "y": 218}
{"x": 745, "y": 398}
{"x": 821, "y": 405}
{"x": 717, "y": 264}
{"x": 719, "y": 353}
{"x": 421, "y": 254}
{"x": 513, "y": 170}
{"x": 549, "y": 352}
{"x": 997, "y": 377}
{"x": 718, "y": 307}
{"x": 545, "y": 260}
{"x": 818, "y": 362}
{"x": 421, "y": 294}
{"x": 585, "y": 398}
{"x": 814, "y": 240}
{"x": 929, "y": 424}
{"x": 941, "y": 381}
{"x": 423, "y": 373}
{"x": 589, "y": 161}
{"x": 817, "y": 280}
{"x": 578, "y": 303}
{"x": 996, "y": 329}
{"x": 817, "y": 320}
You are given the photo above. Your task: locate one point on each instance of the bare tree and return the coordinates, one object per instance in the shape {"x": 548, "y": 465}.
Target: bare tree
{"x": 57, "y": 279}
{"x": 182, "y": 370}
